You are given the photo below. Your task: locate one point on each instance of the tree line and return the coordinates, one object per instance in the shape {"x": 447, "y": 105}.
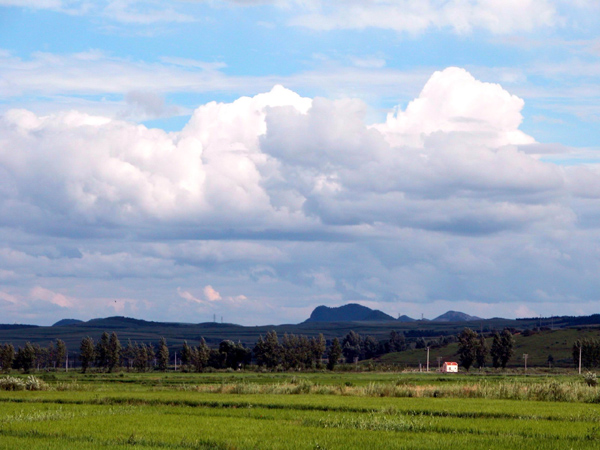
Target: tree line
{"x": 473, "y": 349}
{"x": 289, "y": 352}
{"x": 33, "y": 356}
{"x": 589, "y": 349}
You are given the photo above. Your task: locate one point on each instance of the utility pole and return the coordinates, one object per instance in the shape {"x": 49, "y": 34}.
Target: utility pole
{"x": 525, "y": 355}
{"x": 580, "y": 358}
{"x": 175, "y": 361}
{"x": 67, "y": 363}
{"x": 427, "y": 359}
{"x": 439, "y": 360}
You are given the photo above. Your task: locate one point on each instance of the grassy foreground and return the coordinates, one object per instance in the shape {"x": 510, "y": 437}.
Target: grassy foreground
{"x": 311, "y": 411}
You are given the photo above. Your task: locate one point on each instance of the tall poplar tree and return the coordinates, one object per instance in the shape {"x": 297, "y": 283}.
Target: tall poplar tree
{"x": 502, "y": 348}
{"x": 87, "y": 353}
{"x": 102, "y": 351}
{"x": 481, "y": 351}
{"x": 60, "y": 353}
{"x": 268, "y": 351}
{"x": 140, "y": 360}
{"x": 467, "y": 348}
{"x": 335, "y": 352}
{"x": 186, "y": 354}
{"x": 200, "y": 355}
{"x": 113, "y": 357}
{"x": 7, "y": 357}
{"x": 163, "y": 355}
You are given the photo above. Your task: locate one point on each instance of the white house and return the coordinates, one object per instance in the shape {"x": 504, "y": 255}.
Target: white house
{"x": 450, "y": 367}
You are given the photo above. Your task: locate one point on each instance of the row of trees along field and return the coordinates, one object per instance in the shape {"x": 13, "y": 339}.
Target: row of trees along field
{"x": 289, "y": 352}
{"x": 473, "y": 349}
{"x": 590, "y": 352}
{"x": 33, "y": 356}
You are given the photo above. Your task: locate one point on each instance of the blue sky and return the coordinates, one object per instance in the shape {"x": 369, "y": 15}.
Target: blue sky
{"x": 255, "y": 159}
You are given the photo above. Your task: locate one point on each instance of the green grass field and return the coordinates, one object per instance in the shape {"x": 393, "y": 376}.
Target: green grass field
{"x": 302, "y": 411}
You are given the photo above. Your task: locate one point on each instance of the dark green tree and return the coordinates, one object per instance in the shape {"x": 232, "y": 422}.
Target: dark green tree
{"x": 114, "y": 352}
{"x": 397, "y": 342}
{"x": 291, "y": 351}
{"x": 186, "y": 354}
{"x": 87, "y": 353}
{"x": 150, "y": 355}
{"x": 370, "y": 346}
{"x": 216, "y": 359}
{"x": 102, "y": 351}
{"x": 7, "y": 357}
{"x": 508, "y": 347}
{"x": 335, "y": 352}
{"x": 502, "y": 348}
{"x": 50, "y": 356}
{"x": 140, "y": 361}
{"x": 467, "y": 348}
{"x": 496, "y": 350}
{"x": 41, "y": 356}
{"x": 590, "y": 352}
{"x": 268, "y": 350}
{"x": 129, "y": 354}
{"x": 318, "y": 347}
{"x": 200, "y": 356}
{"x": 60, "y": 353}
{"x": 481, "y": 352}
{"x": 163, "y": 355}
{"x": 305, "y": 353}
{"x": 351, "y": 346}
{"x": 233, "y": 355}
{"x": 25, "y": 357}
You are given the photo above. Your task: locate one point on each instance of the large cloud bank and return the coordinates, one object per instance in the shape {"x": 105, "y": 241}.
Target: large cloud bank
{"x": 279, "y": 203}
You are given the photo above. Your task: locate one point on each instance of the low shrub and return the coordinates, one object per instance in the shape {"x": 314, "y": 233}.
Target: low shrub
{"x": 590, "y": 379}
{"x": 30, "y": 383}
{"x": 9, "y": 383}
{"x": 35, "y": 384}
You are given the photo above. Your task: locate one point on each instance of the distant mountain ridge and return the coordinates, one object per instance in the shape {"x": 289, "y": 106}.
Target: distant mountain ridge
{"x": 352, "y": 312}
{"x": 66, "y": 322}
{"x": 455, "y": 316}
{"x": 405, "y": 319}
{"x": 176, "y": 333}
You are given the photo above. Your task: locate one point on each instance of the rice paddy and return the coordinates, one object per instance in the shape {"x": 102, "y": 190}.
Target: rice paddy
{"x": 307, "y": 411}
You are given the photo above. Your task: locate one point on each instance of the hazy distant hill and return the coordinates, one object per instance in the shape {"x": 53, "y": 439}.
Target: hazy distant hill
{"x": 368, "y": 323}
{"x": 65, "y": 322}
{"x": 15, "y": 326}
{"x": 455, "y": 316}
{"x": 405, "y": 319}
{"x": 351, "y": 312}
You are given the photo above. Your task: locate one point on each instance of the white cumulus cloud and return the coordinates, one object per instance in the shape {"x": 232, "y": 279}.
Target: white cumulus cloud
{"x": 446, "y": 199}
